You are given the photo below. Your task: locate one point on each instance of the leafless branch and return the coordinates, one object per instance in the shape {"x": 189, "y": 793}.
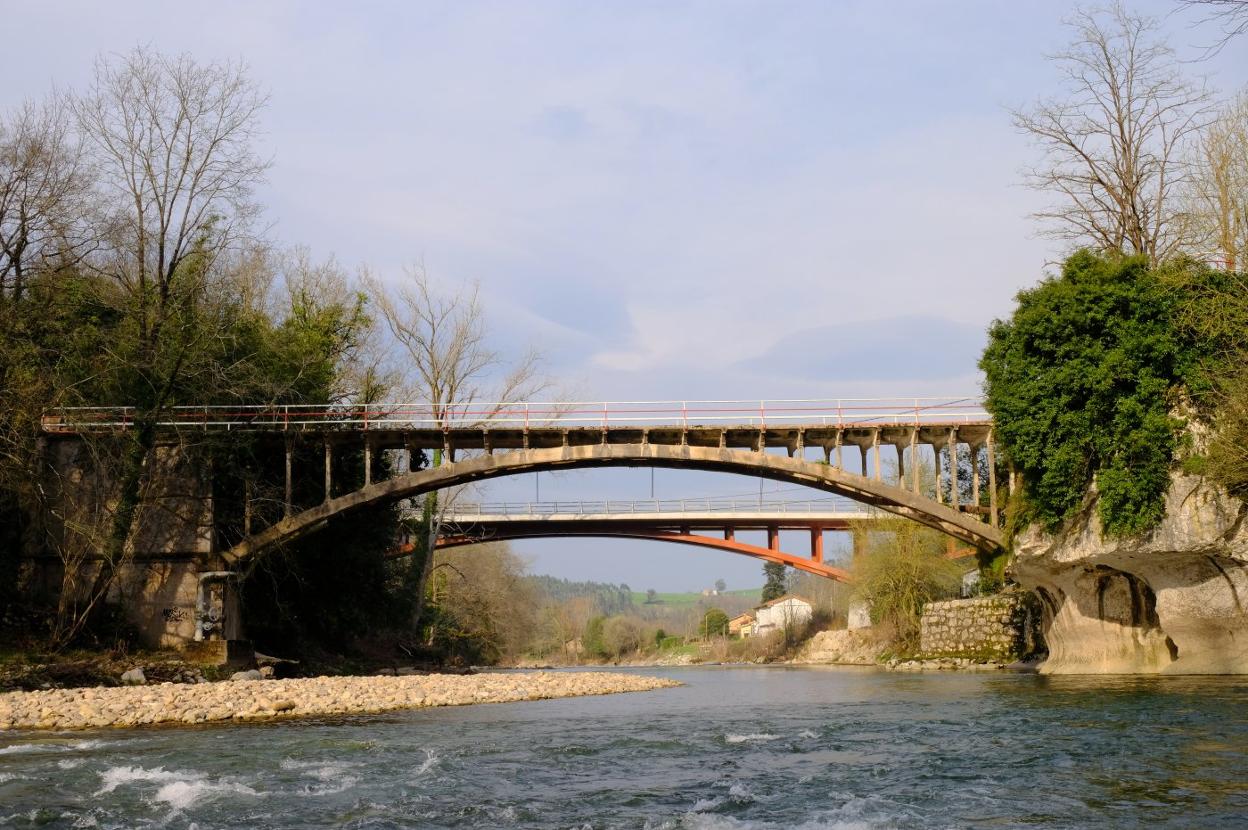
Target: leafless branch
{"x": 1113, "y": 143}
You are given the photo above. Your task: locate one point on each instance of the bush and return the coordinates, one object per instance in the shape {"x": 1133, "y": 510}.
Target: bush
{"x": 592, "y": 641}
{"x": 1081, "y": 380}
{"x": 620, "y": 636}
{"x": 901, "y": 572}
{"x": 714, "y": 623}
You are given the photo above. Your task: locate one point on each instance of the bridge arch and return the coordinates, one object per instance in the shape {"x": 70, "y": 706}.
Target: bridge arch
{"x": 791, "y": 470}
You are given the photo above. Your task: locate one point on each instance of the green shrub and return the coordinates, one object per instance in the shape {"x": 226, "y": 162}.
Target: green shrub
{"x": 592, "y": 641}
{"x": 905, "y": 567}
{"x": 714, "y": 623}
{"x": 1081, "y": 381}
{"x": 620, "y": 636}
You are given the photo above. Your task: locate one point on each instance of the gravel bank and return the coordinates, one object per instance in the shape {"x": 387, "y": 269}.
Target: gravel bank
{"x": 258, "y": 699}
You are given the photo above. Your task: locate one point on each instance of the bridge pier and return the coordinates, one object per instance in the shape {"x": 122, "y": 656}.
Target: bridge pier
{"x": 953, "y": 468}
{"x": 329, "y": 470}
{"x": 992, "y": 483}
{"x": 157, "y": 586}
{"x": 288, "y": 501}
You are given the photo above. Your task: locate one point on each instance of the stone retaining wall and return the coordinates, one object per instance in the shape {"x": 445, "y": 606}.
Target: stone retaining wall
{"x": 1003, "y": 627}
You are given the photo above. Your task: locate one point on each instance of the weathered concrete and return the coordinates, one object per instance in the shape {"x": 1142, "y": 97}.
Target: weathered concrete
{"x": 1001, "y": 628}
{"x": 792, "y": 470}
{"x": 157, "y": 585}
{"x": 1169, "y": 602}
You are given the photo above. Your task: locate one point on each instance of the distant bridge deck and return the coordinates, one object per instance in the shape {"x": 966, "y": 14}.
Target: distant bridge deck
{"x": 687, "y": 514}
{"x": 684, "y": 521}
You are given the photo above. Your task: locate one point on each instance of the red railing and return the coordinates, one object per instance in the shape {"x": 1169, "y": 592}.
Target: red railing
{"x": 844, "y": 412}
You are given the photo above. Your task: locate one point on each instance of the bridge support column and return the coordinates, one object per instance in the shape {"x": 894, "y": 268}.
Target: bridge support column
{"x": 329, "y": 470}
{"x": 816, "y": 544}
{"x": 409, "y": 447}
{"x": 287, "y": 507}
{"x": 915, "y": 466}
{"x": 368, "y": 461}
{"x": 247, "y": 507}
{"x": 953, "y": 468}
{"x": 875, "y": 449}
{"x": 992, "y": 481}
{"x": 773, "y": 537}
{"x": 840, "y": 460}
{"x": 862, "y": 456}
{"x": 974, "y": 474}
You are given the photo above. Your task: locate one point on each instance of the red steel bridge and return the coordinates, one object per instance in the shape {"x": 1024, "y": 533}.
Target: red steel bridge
{"x": 682, "y": 521}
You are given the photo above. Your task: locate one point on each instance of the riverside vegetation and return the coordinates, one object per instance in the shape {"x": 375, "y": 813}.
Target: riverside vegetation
{"x": 158, "y": 288}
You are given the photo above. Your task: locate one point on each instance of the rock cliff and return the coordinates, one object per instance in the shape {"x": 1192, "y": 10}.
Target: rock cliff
{"x": 1169, "y": 602}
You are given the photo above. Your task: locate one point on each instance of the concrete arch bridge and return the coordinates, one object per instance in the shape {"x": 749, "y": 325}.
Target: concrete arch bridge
{"x": 802, "y": 442}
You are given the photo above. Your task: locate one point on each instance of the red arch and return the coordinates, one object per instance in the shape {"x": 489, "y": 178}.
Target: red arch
{"x": 801, "y": 563}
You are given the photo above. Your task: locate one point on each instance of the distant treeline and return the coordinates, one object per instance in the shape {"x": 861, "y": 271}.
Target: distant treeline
{"x": 607, "y": 598}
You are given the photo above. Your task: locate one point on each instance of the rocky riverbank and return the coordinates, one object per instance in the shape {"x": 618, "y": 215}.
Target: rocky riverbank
{"x": 1168, "y": 602}
{"x": 242, "y": 700}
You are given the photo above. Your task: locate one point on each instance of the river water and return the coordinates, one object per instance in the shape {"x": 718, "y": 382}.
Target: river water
{"x": 734, "y": 748}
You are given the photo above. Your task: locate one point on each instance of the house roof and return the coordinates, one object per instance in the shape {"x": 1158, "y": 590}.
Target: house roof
{"x": 746, "y": 615}
{"x": 781, "y": 599}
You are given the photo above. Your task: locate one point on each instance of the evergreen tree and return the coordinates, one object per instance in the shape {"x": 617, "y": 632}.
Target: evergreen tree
{"x": 777, "y": 582}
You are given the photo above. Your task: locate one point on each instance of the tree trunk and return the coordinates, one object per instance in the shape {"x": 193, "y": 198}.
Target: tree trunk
{"x": 432, "y": 525}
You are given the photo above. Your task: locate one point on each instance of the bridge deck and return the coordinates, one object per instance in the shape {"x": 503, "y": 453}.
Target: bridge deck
{"x": 701, "y": 514}
{"x": 690, "y": 520}
{"x": 587, "y": 422}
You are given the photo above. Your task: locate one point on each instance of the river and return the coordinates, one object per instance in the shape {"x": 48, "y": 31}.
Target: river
{"x": 766, "y": 747}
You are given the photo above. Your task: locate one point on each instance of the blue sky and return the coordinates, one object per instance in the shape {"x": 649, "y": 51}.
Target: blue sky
{"x": 670, "y": 200}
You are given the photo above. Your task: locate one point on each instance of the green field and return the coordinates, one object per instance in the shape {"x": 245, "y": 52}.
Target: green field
{"x": 692, "y": 598}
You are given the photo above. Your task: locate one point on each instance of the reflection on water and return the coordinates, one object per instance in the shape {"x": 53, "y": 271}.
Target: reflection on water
{"x": 735, "y": 748}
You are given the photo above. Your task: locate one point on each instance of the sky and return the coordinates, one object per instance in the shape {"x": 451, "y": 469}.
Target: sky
{"x": 669, "y": 200}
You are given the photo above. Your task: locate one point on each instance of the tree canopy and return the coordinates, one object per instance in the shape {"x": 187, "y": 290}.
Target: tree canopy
{"x": 1091, "y": 379}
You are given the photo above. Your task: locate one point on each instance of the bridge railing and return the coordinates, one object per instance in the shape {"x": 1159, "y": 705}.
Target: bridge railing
{"x": 652, "y": 506}
{"x": 842, "y": 412}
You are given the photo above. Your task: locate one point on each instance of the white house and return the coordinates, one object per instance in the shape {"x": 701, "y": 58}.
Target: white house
{"x": 781, "y": 613}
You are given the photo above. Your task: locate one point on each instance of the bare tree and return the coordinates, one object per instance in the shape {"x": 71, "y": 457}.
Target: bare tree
{"x": 442, "y": 342}
{"x": 1230, "y": 15}
{"x": 1218, "y": 187}
{"x": 173, "y": 141}
{"x": 1113, "y": 144}
{"x": 44, "y": 184}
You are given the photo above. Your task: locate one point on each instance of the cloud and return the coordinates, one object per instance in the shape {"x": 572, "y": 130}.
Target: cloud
{"x": 904, "y": 349}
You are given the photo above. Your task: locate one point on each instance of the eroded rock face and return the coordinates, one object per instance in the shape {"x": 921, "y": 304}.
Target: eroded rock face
{"x": 1169, "y": 602}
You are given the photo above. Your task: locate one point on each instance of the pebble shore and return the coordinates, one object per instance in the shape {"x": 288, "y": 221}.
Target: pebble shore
{"x": 246, "y": 700}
